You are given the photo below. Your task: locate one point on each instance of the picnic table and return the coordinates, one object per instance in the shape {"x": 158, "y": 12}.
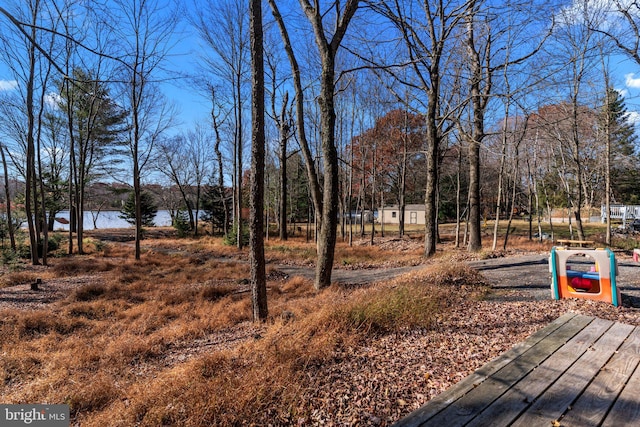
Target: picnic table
{"x": 579, "y": 243}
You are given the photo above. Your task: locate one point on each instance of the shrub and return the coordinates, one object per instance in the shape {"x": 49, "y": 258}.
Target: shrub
{"x": 10, "y": 258}
{"x": 181, "y": 224}
{"x": 232, "y": 237}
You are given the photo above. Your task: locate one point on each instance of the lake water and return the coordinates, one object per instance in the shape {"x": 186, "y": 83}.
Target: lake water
{"x": 109, "y": 219}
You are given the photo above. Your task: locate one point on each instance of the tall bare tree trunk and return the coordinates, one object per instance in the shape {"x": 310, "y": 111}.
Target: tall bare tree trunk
{"x": 283, "y": 128}
{"x": 403, "y": 180}
{"x": 373, "y": 195}
{"x": 329, "y": 217}
{"x": 513, "y": 196}
{"x": 477, "y": 135}
{"x": 256, "y": 229}
{"x": 30, "y": 193}
{"x": 221, "y": 189}
{"x": 431, "y": 219}
{"x": 239, "y": 135}
{"x": 7, "y": 197}
{"x": 503, "y": 155}
{"x": 458, "y": 197}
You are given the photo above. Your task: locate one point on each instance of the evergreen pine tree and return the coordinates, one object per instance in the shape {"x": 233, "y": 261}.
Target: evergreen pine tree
{"x": 148, "y": 209}
{"x": 213, "y": 208}
{"x": 625, "y": 164}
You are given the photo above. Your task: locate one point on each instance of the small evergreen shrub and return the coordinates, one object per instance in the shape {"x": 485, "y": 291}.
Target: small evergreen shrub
{"x": 181, "y": 224}
{"x": 232, "y": 237}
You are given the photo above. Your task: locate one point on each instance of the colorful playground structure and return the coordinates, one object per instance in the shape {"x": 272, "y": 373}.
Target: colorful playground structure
{"x": 598, "y": 283}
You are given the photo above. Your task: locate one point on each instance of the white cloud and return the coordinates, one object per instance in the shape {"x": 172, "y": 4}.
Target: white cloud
{"x": 603, "y": 14}
{"x": 633, "y": 117}
{"x": 8, "y": 84}
{"x": 631, "y": 81}
{"x": 52, "y": 100}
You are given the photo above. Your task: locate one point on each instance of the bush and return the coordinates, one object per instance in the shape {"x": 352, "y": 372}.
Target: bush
{"x": 10, "y": 258}
{"x": 232, "y": 237}
{"x": 181, "y": 224}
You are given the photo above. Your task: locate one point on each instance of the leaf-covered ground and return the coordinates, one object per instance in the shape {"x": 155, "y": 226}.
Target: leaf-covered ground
{"x": 373, "y": 380}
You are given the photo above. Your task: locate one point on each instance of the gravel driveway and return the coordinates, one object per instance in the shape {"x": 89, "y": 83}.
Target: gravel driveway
{"x": 527, "y": 277}
{"x": 513, "y": 278}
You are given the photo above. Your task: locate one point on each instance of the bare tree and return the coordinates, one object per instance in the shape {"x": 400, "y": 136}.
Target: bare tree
{"x": 256, "y": 229}
{"x": 328, "y": 43}
{"x": 427, "y": 53}
{"x": 198, "y": 158}
{"x": 282, "y": 117}
{"x": 621, "y": 24}
{"x": 217, "y": 119}
{"x": 28, "y": 51}
{"x": 144, "y": 45}
{"x": 173, "y": 162}
{"x": 222, "y": 27}
{"x": 570, "y": 120}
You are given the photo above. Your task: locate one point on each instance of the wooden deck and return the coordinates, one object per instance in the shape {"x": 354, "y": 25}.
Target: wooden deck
{"x": 577, "y": 371}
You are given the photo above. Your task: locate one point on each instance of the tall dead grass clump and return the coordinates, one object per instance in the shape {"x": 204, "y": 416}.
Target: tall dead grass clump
{"x": 94, "y": 310}
{"x": 525, "y": 244}
{"x": 89, "y": 292}
{"x": 18, "y": 367}
{"x": 392, "y": 308}
{"x": 291, "y": 250}
{"x": 232, "y": 312}
{"x": 76, "y": 266}
{"x": 216, "y": 292}
{"x": 92, "y": 393}
{"x": 38, "y": 323}
{"x": 297, "y": 287}
{"x": 17, "y": 278}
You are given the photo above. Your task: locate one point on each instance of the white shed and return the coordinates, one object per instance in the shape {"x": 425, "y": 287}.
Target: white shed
{"x": 413, "y": 214}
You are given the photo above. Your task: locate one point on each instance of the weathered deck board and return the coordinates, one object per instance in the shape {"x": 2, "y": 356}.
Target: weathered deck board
{"x": 626, "y": 409}
{"x": 465, "y": 408}
{"x": 440, "y": 402}
{"x": 578, "y": 370}
{"x": 518, "y": 398}
{"x": 555, "y": 401}
{"x": 598, "y": 398}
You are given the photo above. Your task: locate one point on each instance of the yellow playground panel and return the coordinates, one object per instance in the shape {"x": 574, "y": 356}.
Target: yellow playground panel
{"x": 597, "y": 283}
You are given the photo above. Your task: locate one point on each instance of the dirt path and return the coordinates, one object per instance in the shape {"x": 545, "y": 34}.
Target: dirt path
{"x": 350, "y": 277}
{"x": 512, "y": 278}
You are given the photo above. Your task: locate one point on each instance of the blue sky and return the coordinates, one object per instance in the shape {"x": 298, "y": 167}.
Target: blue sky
{"x": 194, "y": 108}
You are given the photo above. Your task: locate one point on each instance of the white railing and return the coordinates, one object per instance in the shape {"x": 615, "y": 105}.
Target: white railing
{"x": 623, "y": 212}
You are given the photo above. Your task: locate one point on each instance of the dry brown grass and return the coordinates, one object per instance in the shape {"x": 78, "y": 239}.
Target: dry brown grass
{"x": 74, "y": 266}
{"x": 138, "y": 346}
{"x": 18, "y": 278}
{"x": 108, "y": 349}
{"x": 360, "y": 254}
